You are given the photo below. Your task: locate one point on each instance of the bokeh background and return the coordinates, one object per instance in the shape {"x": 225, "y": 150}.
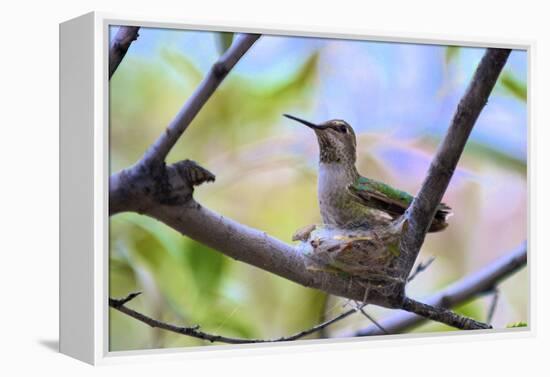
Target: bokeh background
{"x": 398, "y": 97}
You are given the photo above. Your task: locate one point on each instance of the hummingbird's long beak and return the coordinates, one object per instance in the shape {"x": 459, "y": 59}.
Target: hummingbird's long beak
{"x": 309, "y": 124}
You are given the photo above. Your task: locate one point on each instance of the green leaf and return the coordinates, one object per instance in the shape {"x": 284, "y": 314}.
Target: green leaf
{"x": 513, "y": 85}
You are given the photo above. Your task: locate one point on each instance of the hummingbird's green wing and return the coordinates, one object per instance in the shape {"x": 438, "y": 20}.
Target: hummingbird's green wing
{"x": 380, "y": 196}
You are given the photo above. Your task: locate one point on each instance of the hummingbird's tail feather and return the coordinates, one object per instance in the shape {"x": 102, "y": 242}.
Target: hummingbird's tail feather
{"x": 443, "y": 211}
{"x": 440, "y": 219}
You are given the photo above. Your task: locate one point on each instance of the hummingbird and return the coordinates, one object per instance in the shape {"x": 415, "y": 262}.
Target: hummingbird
{"x": 347, "y": 199}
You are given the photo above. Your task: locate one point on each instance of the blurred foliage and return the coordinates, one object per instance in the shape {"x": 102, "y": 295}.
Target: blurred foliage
{"x": 224, "y": 41}
{"x": 516, "y": 324}
{"x": 487, "y": 153}
{"x": 238, "y": 104}
{"x": 513, "y": 85}
{"x": 507, "y": 81}
{"x": 451, "y": 53}
{"x": 266, "y": 178}
{"x": 184, "y": 281}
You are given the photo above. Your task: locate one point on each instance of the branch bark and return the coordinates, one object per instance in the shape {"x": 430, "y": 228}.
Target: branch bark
{"x": 255, "y": 248}
{"x": 466, "y": 289}
{"x": 439, "y": 314}
{"x": 165, "y": 193}
{"x": 423, "y": 208}
{"x": 120, "y": 45}
{"x": 479, "y": 282}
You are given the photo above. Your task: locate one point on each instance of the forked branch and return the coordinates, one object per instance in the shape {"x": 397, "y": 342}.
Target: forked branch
{"x": 165, "y": 193}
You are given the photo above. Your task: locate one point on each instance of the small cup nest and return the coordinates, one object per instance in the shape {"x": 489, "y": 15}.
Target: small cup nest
{"x": 368, "y": 254}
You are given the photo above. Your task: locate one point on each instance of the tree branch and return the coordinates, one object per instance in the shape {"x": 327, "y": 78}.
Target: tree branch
{"x": 439, "y": 314}
{"x": 423, "y": 208}
{"x": 422, "y": 266}
{"x": 165, "y": 193}
{"x": 121, "y": 42}
{"x": 457, "y": 294}
{"x": 119, "y": 304}
{"x": 374, "y": 321}
{"x": 256, "y": 248}
{"x": 493, "y": 306}
{"x": 462, "y": 291}
{"x": 156, "y": 154}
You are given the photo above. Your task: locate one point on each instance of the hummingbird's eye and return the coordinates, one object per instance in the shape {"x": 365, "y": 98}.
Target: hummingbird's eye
{"x": 342, "y": 129}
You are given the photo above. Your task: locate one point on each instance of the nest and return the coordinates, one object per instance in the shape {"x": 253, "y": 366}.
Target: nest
{"x": 368, "y": 254}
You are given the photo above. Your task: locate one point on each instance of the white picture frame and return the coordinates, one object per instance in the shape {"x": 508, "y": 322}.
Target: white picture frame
{"x": 84, "y": 47}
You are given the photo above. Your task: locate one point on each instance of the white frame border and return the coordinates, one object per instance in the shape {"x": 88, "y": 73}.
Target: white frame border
{"x": 101, "y": 171}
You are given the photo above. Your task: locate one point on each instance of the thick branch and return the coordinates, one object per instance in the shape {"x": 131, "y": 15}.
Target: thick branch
{"x": 119, "y": 304}
{"x": 156, "y": 154}
{"x": 121, "y": 42}
{"x": 165, "y": 193}
{"x": 423, "y": 208}
{"x": 256, "y": 248}
{"x": 462, "y": 291}
{"x": 138, "y": 187}
{"x": 259, "y": 249}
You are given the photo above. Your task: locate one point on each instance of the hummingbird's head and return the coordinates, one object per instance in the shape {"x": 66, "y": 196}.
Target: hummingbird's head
{"x": 336, "y": 139}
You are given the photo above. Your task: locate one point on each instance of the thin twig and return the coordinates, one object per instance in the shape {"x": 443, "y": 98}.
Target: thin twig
{"x": 157, "y": 152}
{"x": 120, "y": 45}
{"x": 423, "y": 208}
{"x": 439, "y": 314}
{"x": 493, "y": 306}
{"x": 374, "y": 321}
{"x": 460, "y": 292}
{"x": 193, "y": 331}
{"x": 124, "y": 300}
{"x": 360, "y": 307}
{"x": 251, "y": 246}
{"x": 422, "y": 266}
{"x": 256, "y": 248}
